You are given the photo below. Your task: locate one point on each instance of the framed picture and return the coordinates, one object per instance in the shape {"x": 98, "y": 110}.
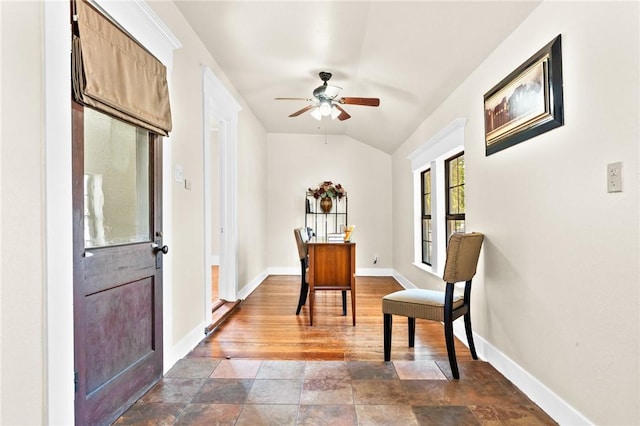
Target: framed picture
{"x": 527, "y": 102}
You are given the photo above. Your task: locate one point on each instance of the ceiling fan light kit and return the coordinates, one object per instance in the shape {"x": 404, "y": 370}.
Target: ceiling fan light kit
{"x": 325, "y": 109}
{"x": 315, "y": 113}
{"x": 335, "y": 112}
{"x": 325, "y": 103}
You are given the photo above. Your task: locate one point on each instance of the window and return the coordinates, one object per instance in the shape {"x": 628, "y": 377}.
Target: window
{"x": 439, "y": 202}
{"x": 427, "y": 234}
{"x": 455, "y": 194}
{"x": 116, "y": 181}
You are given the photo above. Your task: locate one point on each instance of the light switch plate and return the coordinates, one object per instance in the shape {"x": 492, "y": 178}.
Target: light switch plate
{"x": 614, "y": 177}
{"x": 179, "y": 173}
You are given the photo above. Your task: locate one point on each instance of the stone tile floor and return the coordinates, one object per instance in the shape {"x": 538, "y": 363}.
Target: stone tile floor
{"x": 206, "y": 391}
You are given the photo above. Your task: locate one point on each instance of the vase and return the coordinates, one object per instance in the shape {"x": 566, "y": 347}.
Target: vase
{"x": 325, "y": 204}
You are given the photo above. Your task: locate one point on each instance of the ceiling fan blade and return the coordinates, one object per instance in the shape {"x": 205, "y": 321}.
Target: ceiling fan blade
{"x": 303, "y": 110}
{"x": 292, "y": 99}
{"x": 344, "y": 115}
{"x": 360, "y": 101}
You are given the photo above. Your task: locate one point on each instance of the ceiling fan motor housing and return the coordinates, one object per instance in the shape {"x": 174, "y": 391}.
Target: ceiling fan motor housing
{"x": 320, "y": 92}
{"x": 325, "y": 76}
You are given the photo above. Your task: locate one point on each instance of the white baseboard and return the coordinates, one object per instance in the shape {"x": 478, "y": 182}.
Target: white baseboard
{"x": 536, "y": 391}
{"x": 360, "y": 272}
{"x": 374, "y": 272}
{"x": 558, "y": 409}
{"x": 195, "y": 336}
{"x": 402, "y": 280}
{"x": 283, "y": 270}
{"x": 184, "y": 346}
{"x": 252, "y": 285}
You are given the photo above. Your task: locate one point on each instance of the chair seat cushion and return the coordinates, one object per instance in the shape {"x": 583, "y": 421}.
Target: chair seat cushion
{"x": 418, "y": 303}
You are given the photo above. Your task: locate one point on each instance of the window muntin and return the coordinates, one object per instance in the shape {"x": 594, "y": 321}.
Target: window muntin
{"x": 455, "y": 201}
{"x": 427, "y": 225}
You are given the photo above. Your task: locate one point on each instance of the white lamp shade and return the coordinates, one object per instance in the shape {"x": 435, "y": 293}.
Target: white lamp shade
{"x": 325, "y": 109}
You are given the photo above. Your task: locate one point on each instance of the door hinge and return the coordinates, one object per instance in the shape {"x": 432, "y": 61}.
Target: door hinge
{"x": 75, "y": 382}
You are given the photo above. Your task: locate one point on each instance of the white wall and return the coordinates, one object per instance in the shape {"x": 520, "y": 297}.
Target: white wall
{"x": 297, "y": 162}
{"x": 22, "y": 218}
{"x": 252, "y": 202}
{"x": 22, "y": 239}
{"x": 557, "y": 289}
{"x": 188, "y": 205}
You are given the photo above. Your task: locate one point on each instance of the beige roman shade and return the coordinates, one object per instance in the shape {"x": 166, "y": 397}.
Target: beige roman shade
{"x": 112, "y": 73}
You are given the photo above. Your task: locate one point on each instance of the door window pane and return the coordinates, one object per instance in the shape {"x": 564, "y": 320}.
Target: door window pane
{"x": 116, "y": 181}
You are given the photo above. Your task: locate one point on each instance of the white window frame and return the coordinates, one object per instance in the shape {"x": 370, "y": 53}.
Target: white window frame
{"x": 433, "y": 154}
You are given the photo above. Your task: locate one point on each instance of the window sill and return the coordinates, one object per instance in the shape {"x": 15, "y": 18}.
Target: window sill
{"x": 427, "y": 269}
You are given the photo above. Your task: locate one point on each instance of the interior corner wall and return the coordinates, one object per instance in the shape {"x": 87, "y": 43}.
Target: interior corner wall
{"x": 22, "y": 326}
{"x": 297, "y": 162}
{"x": 557, "y": 286}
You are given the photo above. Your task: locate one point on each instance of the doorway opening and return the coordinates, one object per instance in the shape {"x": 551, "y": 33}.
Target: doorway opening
{"x": 220, "y": 187}
{"x": 220, "y": 308}
{"x": 213, "y": 192}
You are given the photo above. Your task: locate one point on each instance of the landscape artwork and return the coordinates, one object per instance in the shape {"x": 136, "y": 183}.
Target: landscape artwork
{"x": 526, "y": 103}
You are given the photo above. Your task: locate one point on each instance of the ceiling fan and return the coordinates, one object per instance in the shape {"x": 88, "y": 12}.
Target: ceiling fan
{"x": 325, "y": 103}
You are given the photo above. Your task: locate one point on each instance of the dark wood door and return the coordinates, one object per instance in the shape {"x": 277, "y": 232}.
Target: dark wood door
{"x": 117, "y": 221}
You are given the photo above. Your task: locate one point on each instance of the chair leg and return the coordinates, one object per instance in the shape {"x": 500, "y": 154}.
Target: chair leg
{"x": 467, "y": 326}
{"x": 388, "y": 321}
{"x": 304, "y": 289}
{"x": 451, "y": 350}
{"x": 311, "y": 299}
{"x": 353, "y": 307}
{"x": 344, "y": 303}
{"x": 412, "y": 331}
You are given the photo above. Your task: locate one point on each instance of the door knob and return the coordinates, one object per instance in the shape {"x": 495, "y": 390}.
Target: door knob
{"x": 163, "y": 249}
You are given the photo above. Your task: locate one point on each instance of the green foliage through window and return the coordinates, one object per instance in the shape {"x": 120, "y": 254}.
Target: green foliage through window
{"x": 427, "y": 230}
{"x": 455, "y": 209}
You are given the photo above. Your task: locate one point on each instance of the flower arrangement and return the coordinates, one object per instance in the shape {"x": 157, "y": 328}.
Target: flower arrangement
{"x": 328, "y": 189}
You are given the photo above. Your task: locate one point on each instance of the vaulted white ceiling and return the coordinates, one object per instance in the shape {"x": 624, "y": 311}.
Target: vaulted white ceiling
{"x": 411, "y": 55}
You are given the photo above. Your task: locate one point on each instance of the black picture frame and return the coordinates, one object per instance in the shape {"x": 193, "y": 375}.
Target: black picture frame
{"x": 526, "y": 103}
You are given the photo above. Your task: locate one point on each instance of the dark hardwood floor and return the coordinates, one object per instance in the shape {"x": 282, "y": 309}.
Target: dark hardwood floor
{"x": 265, "y": 327}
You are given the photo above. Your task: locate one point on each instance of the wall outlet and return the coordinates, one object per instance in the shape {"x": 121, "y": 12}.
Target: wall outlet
{"x": 614, "y": 177}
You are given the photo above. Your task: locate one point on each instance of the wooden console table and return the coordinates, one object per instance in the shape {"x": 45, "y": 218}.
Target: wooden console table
{"x": 332, "y": 266}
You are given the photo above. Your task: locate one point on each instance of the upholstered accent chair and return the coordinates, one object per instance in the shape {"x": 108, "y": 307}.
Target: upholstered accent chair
{"x": 463, "y": 252}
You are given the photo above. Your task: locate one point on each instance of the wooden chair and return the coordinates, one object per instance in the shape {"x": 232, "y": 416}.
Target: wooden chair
{"x": 462, "y": 259}
{"x": 302, "y": 238}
